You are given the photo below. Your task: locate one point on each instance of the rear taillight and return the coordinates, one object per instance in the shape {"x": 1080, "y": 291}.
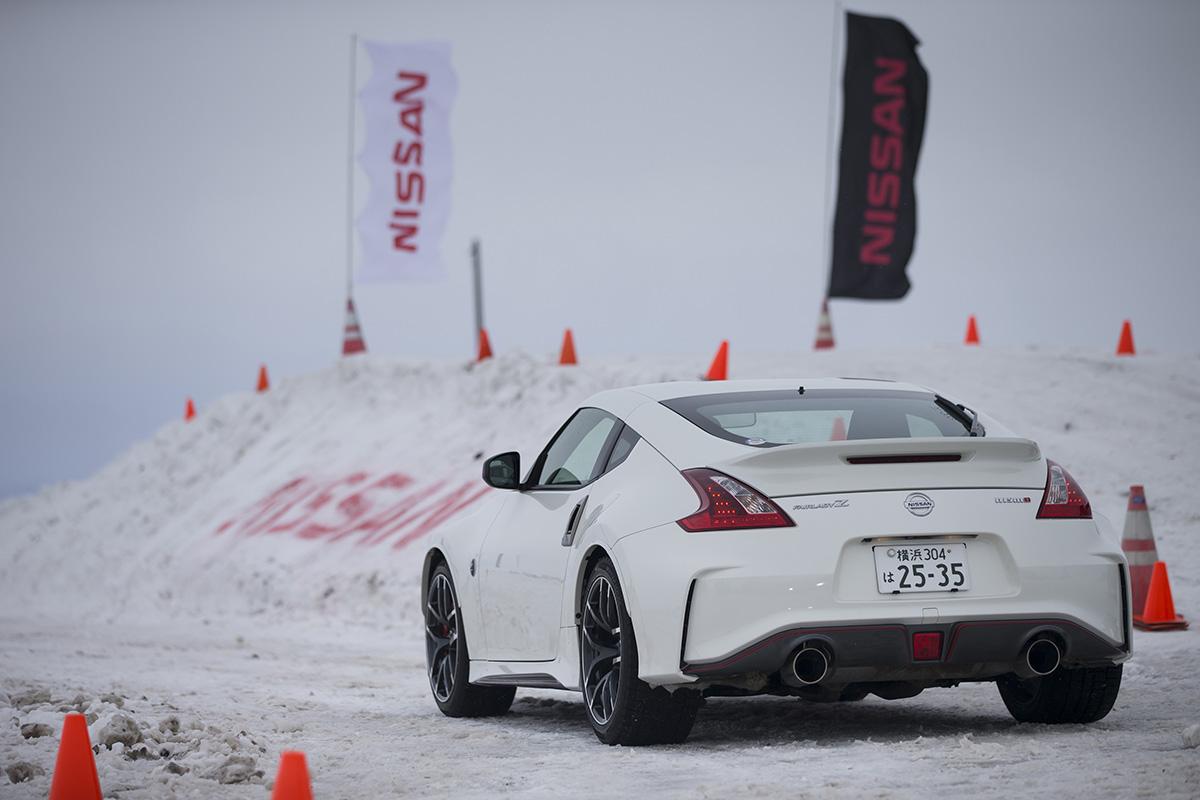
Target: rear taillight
{"x": 1064, "y": 498}
{"x": 728, "y": 504}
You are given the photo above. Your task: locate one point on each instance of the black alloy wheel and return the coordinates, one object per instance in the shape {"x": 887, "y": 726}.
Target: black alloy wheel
{"x": 447, "y": 659}
{"x": 601, "y": 650}
{"x": 441, "y": 637}
{"x": 622, "y": 708}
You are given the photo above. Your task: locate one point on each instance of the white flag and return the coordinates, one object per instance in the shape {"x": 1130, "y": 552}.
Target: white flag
{"x": 406, "y": 156}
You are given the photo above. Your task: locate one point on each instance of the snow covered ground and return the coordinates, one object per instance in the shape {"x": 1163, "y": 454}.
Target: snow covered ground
{"x": 247, "y": 583}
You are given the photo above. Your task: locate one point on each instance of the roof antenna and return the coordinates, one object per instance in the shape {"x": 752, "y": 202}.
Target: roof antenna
{"x": 800, "y": 390}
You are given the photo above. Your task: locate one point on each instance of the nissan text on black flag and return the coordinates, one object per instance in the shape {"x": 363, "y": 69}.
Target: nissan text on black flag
{"x": 884, "y": 94}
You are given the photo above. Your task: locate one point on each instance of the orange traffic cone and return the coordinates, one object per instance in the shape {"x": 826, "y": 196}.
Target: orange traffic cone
{"x": 567, "y": 356}
{"x": 1159, "y": 613}
{"x": 189, "y": 411}
{"x": 972, "y": 331}
{"x": 824, "y": 329}
{"x": 1137, "y": 541}
{"x": 352, "y": 337}
{"x": 263, "y": 382}
{"x": 75, "y": 775}
{"x": 291, "y": 782}
{"x": 839, "y": 430}
{"x": 720, "y": 364}
{"x": 1125, "y": 344}
{"x": 485, "y": 345}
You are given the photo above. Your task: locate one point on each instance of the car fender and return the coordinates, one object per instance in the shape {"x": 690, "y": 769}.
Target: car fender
{"x": 589, "y": 553}
{"x": 459, "y": 543}
{"x": 645, "y": 492}
{"x": 598, "y": 541}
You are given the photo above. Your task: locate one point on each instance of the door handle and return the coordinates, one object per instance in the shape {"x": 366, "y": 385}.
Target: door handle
{"x": 573, "y": 523}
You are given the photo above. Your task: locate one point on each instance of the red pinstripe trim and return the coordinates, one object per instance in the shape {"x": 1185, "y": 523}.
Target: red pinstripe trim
{"x": 955, "y": 631}
{"x": 960, "y": 625}
{"x": 754, "y": 648}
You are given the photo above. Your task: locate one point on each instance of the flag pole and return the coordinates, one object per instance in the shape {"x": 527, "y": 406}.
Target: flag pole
{"x": 351, "y": 142}
{"x": 477, "y": 271}
{"x": 835, "y": 48}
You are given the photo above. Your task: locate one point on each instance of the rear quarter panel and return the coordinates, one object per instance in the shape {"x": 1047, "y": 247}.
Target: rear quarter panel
{"x": 643, "y": 492}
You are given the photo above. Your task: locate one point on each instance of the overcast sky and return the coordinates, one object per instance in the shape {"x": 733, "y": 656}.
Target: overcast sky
{"x": 172, "y": 191}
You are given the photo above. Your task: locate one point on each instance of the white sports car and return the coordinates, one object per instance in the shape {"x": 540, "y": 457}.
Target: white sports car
{"x": 820, "y": 538}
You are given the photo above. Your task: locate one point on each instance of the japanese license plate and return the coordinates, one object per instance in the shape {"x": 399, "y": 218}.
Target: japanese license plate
{"x": 938, "y": 567}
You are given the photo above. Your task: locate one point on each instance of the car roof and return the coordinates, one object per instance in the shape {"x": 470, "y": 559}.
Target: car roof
{"x": 686, "y": 445}
{"x": 622, "y": 402}
{"x": 673, "y": 389}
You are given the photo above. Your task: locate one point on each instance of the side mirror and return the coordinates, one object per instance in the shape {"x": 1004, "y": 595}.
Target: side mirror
{"x": 503, "y": 471}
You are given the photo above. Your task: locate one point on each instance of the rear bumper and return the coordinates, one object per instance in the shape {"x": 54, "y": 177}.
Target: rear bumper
{"x": 736, "y": 602}
{"x": 973, "y": 649}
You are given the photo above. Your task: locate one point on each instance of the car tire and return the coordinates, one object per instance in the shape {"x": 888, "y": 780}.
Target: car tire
{"x": 447, "y": 662}
{"x": 635, "y": 713}
{"x": 853, "y": 694}
{"x": 1084, "y": 694}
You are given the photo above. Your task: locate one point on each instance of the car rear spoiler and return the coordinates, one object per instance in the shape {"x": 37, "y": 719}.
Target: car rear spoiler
{"x": 891, "y": 464}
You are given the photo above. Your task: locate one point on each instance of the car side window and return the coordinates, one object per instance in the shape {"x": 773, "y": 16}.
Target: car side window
{"x": 623, "y": 447}
{"x": 576, "y": 456}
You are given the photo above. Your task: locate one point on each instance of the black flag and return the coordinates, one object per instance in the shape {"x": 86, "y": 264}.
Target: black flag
{"x": 885, "y": 91}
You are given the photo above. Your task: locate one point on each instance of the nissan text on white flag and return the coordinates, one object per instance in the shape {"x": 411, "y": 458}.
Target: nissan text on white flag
{"x": 406, "y": 156}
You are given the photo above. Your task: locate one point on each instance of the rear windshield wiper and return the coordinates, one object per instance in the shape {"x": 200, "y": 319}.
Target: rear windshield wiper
{"x": 969, "y": 417}
{"x": 976, "y": 425}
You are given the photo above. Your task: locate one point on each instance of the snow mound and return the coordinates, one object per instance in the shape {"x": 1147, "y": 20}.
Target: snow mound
{"x": 246, "y": 584}
{"x": 312, "y": 498}
{"x": 126, "y": 730}
{"x": 1191, "y": 736}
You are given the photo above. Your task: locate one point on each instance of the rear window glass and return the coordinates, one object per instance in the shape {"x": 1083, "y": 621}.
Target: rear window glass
{"x": 768, "y": 418}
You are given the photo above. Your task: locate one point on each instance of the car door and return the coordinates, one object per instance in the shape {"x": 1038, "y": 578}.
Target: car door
{"x": 524, "y": 556}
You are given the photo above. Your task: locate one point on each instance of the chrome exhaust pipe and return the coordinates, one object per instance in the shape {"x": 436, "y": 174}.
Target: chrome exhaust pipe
{"x": 810, "y": 665}
{"x": 1040, "y": 658}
